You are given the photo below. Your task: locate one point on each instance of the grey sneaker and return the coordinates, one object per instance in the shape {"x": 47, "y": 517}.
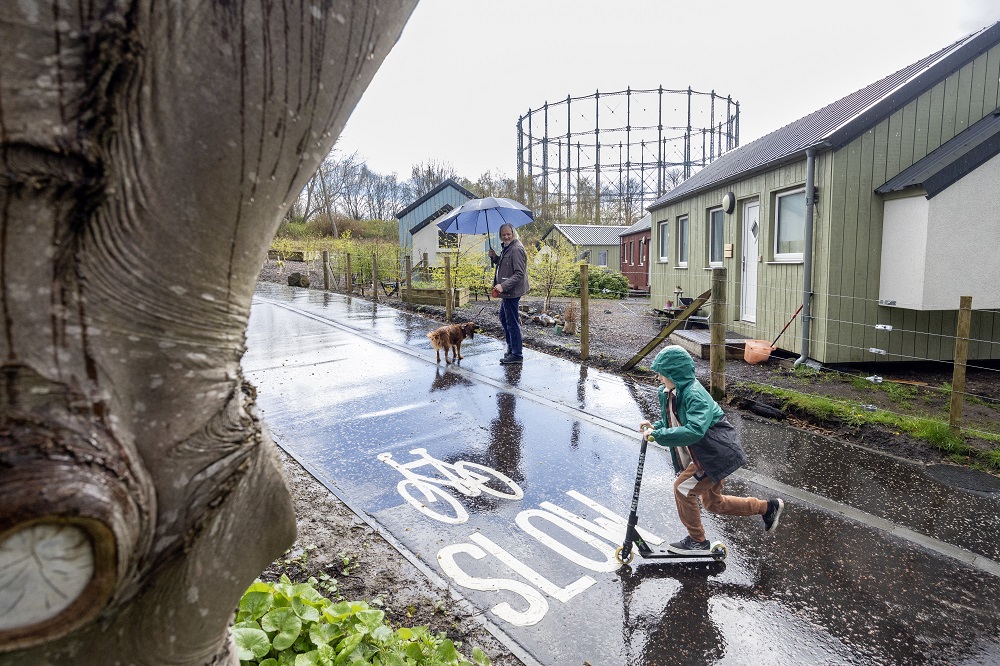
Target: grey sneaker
{"x": 774, "y": 509}
{"x": 689, "y": 545}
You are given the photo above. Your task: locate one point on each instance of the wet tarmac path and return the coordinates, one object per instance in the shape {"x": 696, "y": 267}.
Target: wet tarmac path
{"x": 512, "y": 485}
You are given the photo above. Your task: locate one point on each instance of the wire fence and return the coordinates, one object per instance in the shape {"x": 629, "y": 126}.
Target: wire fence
{"x": 381, "y": 272}
{"x": 947, "y": 430}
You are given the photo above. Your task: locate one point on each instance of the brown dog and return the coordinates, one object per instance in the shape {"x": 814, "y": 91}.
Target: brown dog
{"x": 450, "y": 338}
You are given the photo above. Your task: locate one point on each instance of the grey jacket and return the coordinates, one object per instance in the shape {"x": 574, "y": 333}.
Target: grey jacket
{"x": 512, "y": 270}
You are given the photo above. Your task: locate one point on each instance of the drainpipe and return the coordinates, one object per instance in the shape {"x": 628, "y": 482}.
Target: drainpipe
{"x": 807, "y": 255}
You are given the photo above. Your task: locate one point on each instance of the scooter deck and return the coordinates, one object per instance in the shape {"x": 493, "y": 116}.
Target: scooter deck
{"x": 665, "y": 554}
{"x": 716, "y": 552}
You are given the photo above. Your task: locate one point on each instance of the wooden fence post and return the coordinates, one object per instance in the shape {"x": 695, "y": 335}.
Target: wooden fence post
{"x": 326, "y": 270}
{"x": 717, "y": 330}
{"x": 349, "y": 287}
{"x": 584, "y": 313}
{"x": 447, "y": 288}
{"x": 409, "y": 279}
{"x": 427, "y": 268}
{"x": 961, "y": 357}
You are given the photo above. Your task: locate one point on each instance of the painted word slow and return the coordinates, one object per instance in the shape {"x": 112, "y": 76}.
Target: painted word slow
{"x": 589, "y": 544}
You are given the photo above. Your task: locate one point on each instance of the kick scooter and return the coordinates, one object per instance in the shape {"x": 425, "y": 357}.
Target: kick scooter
{"x": 624, "y": 554}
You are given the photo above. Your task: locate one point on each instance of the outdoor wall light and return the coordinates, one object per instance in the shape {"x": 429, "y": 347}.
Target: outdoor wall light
{"x": 729, "y": 203}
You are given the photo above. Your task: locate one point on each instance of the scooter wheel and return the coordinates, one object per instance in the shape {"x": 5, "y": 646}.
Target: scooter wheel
{"x": 719, "y": 551}
{"x": 618, "y": 555}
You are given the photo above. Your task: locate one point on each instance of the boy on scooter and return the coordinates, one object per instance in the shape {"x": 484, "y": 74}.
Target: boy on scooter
{"x": 704, "y": 448}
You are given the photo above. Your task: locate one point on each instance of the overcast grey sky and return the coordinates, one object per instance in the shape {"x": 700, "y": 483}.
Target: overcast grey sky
{"x": 463, "y": 71}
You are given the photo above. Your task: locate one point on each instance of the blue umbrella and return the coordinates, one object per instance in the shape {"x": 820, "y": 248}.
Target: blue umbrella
{"x": 484, "y": 216}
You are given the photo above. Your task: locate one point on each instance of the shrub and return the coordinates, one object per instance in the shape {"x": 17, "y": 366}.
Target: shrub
{"x": 319, "y": 227}
{"x": 285, "y": 623}
{"x": 292, "y": 230}
{"x": 601, "y": 283}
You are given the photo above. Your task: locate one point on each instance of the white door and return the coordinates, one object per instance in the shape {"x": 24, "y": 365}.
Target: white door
{"x": 748, "y": 290}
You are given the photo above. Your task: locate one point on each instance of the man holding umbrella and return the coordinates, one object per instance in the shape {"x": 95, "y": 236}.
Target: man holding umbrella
{"x": 510, "y": 283}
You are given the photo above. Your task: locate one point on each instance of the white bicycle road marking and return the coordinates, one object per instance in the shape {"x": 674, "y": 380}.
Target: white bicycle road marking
{"x": 468, "y": 478}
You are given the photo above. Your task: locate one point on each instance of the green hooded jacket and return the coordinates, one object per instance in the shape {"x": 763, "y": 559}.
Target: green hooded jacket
{"x": 717, "y": 449}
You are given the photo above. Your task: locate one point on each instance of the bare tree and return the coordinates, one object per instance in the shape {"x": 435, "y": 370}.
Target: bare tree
{"x": 495, "y": 184}
{"x": 333, "y": 187}
{"x": 148, "y": 151}
{"x": 384, "y": 195}
{"x": 622, "y": 203}
{"x": 425, "y": 176}
{"x": 672, "y": 177}
{"x": 353, "y": 191}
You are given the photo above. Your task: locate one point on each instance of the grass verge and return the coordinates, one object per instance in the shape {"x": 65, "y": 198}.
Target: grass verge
{"x": 936, "y": 433}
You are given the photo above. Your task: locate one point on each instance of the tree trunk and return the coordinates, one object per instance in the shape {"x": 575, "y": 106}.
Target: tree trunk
{"x": 147, "y": 153}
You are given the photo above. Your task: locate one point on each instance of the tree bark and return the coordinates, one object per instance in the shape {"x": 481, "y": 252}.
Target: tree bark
{"x": 147, "y": 153}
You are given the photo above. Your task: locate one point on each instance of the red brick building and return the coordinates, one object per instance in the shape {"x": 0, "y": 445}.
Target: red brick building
{"x": 635, "y": 253}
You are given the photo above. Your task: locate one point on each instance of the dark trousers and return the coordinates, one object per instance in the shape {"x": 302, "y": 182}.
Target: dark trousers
{"x": 510, "y": 320}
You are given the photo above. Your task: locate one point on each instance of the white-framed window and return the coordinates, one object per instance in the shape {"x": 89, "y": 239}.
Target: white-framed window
{"x": 664, "y": 236}
{"x": 631, "y": 253}
{"x": 642, "y": 251}
{"x": 682, "y": 241}
{"x": 716, "y": 231}
{"x": 602, "y": 258}
{"x": 790, "y": 226}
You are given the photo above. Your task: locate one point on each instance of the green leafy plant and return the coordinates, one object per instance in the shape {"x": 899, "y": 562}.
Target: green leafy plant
{"x": 346, "y": 559}
{"x": 550, "y": 269}
{"x": 328, "y": 585}
{"x": 292, "y": 624}
{"x": 601, "y": 283}
{"x": 300, "y": 558}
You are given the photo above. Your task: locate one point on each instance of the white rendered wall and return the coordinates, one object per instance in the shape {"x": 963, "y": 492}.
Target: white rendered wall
{"x": 936, "y": 251}
{"x": 963, "y": 242}
{"x": 904, "y": 252}
{"x": 426, "y": 240}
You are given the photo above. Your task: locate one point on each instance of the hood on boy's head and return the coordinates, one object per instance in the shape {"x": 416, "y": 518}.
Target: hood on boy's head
{"x": 674, "y": 362}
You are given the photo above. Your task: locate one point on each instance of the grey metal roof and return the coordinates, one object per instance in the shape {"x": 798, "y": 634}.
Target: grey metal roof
{"x": 450, "y": 182}
{"x": 446, "y": 208}
{"x": 953, "y": 160}
{"x": 645, "y": 223}
{"x": 591, "y": 234}
{"x": 839, "y": 123}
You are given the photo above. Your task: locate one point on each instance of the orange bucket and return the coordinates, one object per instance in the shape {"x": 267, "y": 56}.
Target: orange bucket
{"x": 756, "y": 351}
